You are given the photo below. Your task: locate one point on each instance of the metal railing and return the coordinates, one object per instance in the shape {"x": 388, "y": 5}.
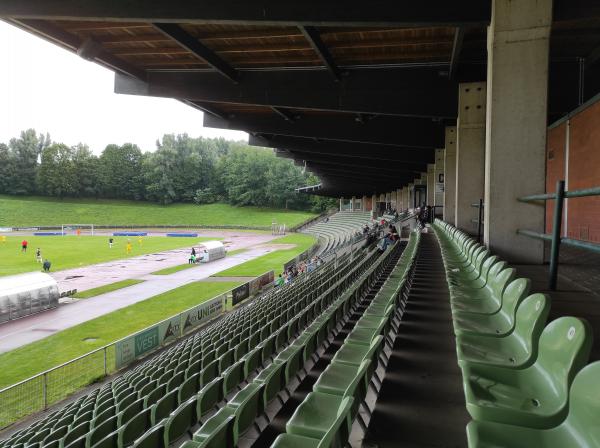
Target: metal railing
{"x": 479, "y": 221}
{"x": 555, "y": 237}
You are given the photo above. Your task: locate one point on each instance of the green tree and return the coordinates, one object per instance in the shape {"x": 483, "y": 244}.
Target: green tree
{"x": 86, "y": 167}
{"x": 120, "y": 172}
{"x": 25, "y": 152}
{"x": 6, "y": 169}
{"x": 56, "y": 175}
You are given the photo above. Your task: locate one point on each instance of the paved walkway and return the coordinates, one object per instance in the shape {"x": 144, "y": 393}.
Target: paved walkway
{"x": 23, "y": 331}
{"x": 100, "y": 274}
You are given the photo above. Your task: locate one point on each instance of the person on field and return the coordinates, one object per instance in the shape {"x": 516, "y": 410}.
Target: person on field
{"x": 128, "y": 247}
{"x": 24, "y": 244}
{"x": 47, "y": 265}
{"x": 140, "y": 240}
{"x": 38, "y": 255}
{"x": 111, "y": 241}
{"x": 192, "y": 259}
{"x": 3, "y": 238}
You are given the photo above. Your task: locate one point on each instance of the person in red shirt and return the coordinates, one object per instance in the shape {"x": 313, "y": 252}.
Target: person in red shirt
{"x": 24, "y": 246}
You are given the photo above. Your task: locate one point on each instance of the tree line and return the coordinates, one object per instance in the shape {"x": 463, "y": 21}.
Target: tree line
{"x": 182, "y": 169}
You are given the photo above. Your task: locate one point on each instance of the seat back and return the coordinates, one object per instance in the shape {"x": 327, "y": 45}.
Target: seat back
{"x": 486, "y": 266}
{"x": 357, "y": 389}
{"x": 135, "y": 427}
{"x": 209, "y": 396}
{"x": 565, "y": 346}
{"x": 337, "y": 435}
{"x": 501, "y": 281}
{"x": 274, "y": 382}
{"x": 154, "y": 438}
{"x": 220, "y": 437}
{"x": 512, "y": 297}
{"x": 530, "y": 319}
{"x": 249, "y": 405}
{"x": 584, "y": 406}
{"x": 180, "y": 421}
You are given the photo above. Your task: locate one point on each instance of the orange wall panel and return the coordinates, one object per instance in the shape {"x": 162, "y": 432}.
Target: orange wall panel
{"x": 555, "y": 166}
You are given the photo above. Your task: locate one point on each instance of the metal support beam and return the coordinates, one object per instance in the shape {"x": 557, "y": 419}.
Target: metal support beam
{"x": 385, "y": 130}
{"x": 194, "y": 46}
{"x": 410, "y": 92}
{"x": 314, "y": 38}
{"x": 285, "y": 114}
{"x": 456, "y": 49}
{"x": 265, "y": 12}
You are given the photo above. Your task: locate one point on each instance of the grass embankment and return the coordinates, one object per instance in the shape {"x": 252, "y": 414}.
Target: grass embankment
{"x": 106, "y": 288}
{"x": 22, "y": 211}
{"x": 41, "y": 355}
{"x": 65, "y": 252}
{"x": 271, "y": 261}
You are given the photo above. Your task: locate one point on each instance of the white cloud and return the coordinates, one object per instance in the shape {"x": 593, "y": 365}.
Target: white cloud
{"x": 53, "y": 90}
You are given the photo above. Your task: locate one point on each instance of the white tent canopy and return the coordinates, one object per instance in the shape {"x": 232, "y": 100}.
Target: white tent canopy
{"x": 24, "y": 294}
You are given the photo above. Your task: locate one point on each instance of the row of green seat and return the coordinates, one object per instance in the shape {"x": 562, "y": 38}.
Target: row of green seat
{"x": 339, "y": 229}
{"x": 324, "y": 419}
{"x": 525, "y": 385}
{"x": 151, "y": 391}
{"x": 229, "y": 423}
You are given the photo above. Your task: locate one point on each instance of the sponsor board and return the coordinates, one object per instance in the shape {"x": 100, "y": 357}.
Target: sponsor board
{"x": 6, "y": 229}
{"x": 128, "y": 349}
{"x": 240, "y": 293}
{"x": 202, "y": 313}
{"x": 169, "y": 330}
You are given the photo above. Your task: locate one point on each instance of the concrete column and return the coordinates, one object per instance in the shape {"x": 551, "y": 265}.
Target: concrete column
{"x": 374, "y": 206}
{"x": 341, "y": 204}
{"x": 518, "y": 57}
{"x": 411, "y": 195}
{"x": 450, "y": 175}
{"x": 364, "y": 203}
{"x": 438, "y": 194}
{"x": 470, "y": 152}
{"x": 430, "y": 183}
{"x": 352, "y": 200}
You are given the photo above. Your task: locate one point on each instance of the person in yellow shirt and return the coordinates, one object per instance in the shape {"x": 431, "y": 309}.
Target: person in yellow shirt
{"x": 3, "y": 238}
{"x": 128, "y": 247}
{"x": 140, "y": 240}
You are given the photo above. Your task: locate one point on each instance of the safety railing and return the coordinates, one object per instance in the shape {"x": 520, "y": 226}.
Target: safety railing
{"x": 479, "y": 221}
{"x": 555, "y": 237}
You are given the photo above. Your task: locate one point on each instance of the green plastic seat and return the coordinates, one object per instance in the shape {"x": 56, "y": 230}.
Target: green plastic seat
{"x": 247, "y": 404}
{"x": 102, "y": 430}
{"x": 292, "y": 357}
{"x": 217, "y": 432}
{"x": 210, "y": 372}
{"x": 318, "y": 413}
{"x": 579, "y": 429}
{"x": 176, "y": 381}
{"x": 365, "y": 335}
{"x": 252, "y": 361}
{"x": 498, "y": 324}
{"x": 355, "y": 354}
{"x": 346, "y": 381}
{"x": 134, "y": 428}
{"x": 294, "y": 441}
{"x": 133, "y": 409}
{"x": 155, "y": 395}
{"x": 189, "y": 388}
{"x": 226, "y": 360}
{"x": 153, "y": 438}
{"x": 164, "y": 406}
{"x": 209, "y": 396}
{"x": 273, "y": 378}
{"x": 110, "y": 441}
{"x": 487, "y": 300}
{"x": 536, "y": 396}
{"x": 180, "y": 421}
{"x": 519, "y": 348}
{"x": 233, "y": 376}
{"x": 75, "y": 433}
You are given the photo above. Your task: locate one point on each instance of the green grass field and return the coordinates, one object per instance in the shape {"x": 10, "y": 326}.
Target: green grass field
{"x": 106, "y": 288}
{"x": 68, "y": 344}
{"x": 272, "y": 261}
{"x": 41, "y": 211}
{"x": 66, "y": 252}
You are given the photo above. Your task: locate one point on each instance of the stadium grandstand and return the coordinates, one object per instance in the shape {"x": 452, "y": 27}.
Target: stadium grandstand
{"x": 469, "y": 127}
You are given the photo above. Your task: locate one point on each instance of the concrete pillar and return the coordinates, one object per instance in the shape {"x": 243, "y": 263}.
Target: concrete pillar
{"x": 518, "y": 57}
{"x": 374, "y": 206}
{"x": 470, "y": 152}
{"x": 450, "y": 175}
{"x": 352, "y": 200}
{"x": 341, "y": 204}
{"x": 411, "y": 195}
{"x": 364, "y": 203}
{"x": 438, "y": 194}
{"x": 430, "y": 183}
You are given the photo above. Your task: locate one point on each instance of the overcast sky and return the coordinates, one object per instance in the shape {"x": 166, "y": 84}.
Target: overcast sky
{"x": 53, "y": 90}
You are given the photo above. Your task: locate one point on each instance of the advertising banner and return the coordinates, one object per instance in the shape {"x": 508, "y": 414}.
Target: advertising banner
{"x": 240, "y": 293}
{"x": 254, "y": 286}
{"x": 202, "y": 313}
{"x": 135, "y": 346}
{"x": 169, "y": 330}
